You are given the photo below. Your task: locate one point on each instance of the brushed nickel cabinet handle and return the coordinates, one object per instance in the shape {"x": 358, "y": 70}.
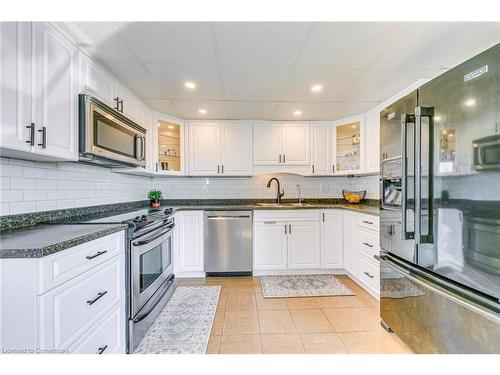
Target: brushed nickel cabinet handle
{"x": 99, "y": 296}
{"x": 370, "y": 276}
{"x": 368, "y": 222}
{"x": 367, "y": 244}
{"x": 31, "y": 141}
{"x": 99, "y": 253}
{"x": 101, "y": 349}
{"x": 43, "y": 130}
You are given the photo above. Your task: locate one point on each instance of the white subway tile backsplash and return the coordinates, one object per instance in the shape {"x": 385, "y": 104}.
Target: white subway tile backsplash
{"x": 34, "y": 172}
{"x": 22, "y": 183}
{"x": 43, "y": 183}
{"x": 35, "y": 195}
{"x": 11, "y": 170}
{"x": 22, "y": 207}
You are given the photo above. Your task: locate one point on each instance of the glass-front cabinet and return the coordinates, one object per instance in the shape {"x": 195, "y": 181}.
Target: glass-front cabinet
{"x": 348, "y": 146}
{"x": 169, "y": 146}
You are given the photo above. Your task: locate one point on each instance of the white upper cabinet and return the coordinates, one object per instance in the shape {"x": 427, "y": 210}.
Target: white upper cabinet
{"x": 220, "y": 149}
{"x": 55, "y": 93}
{"x": 15, "y": 87}
{"x": 321, "y": 144}
{"x": 332, "y": 254}
{"x": 267, "y": 144}
{"x": 282, "y": 144}
{"x": 204, "y": 149}
{"x": 348, "y": 145}
{"x": 236, "y": 155}
{"x": 96, "y": 81}
{"x": 372, "y": 135}
{"x": 128, "y": 104}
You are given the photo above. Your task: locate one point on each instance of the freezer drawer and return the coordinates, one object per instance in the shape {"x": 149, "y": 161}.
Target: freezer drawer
{"x": 431, "y": 319}
{"x": 228, "y": 242}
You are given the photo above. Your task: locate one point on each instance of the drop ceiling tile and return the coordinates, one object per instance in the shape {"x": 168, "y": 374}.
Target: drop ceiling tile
{"x": 241, "y": 110}
{"x": 381, "y": 84}
{"x": 310, "y": 111}
{"x": 163, "y": 106}
{"x": 247, "y": 83}
{"x": 171, "y": 79}
{"x": 171, "y": 42}
{"x": 440, "y": 45}
{"x": 100, "y": 40}
{"x": 334, "y": 81}
{"x": 339, "y": 110}
{"x": 216, "y": 109}
{"x": 137, "y": 78}
{"x": 349, "y": 44}
{"x": 269, "y": 44}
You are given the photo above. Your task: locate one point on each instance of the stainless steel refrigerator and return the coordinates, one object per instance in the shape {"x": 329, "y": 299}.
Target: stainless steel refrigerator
{"x": 440, "y": 211}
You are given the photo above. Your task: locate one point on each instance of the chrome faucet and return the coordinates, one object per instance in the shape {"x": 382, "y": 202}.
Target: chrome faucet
{"x": 300, "y": 193}
{"x": 279, "y": 193}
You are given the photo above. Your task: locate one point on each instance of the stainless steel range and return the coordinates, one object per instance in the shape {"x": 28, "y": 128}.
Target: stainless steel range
{"x": 149, "y": 271}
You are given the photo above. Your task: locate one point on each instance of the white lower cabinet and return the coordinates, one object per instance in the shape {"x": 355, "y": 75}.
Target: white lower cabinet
{"x": 332, "y": 255}
{"x": 189, "y": 246}
{"x": 350, "y": 241}
{"x": 78, "y": 308}
{"x": 303, "y": 245}
{"x": 270, "y": 246}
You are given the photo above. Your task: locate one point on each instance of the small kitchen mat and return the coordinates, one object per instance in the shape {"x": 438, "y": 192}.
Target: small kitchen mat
{"x": 303, "y": 286}
{"x": 183, "y": 327}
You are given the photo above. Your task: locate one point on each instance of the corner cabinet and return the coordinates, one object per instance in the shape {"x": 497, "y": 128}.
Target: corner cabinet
{"x": 220, "y": 149}
{"x": 41, "y": 68}
{"x": 348, "y": 146}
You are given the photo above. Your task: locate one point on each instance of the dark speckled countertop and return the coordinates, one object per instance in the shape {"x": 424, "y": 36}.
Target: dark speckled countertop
{"x": 41, "y": 240}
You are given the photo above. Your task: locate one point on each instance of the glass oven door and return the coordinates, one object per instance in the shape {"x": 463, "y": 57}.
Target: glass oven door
{"x": 151, "y": 265}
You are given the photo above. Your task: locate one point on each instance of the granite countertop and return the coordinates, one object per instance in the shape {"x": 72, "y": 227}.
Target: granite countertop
{"x": 363, "y": 208}
{"x": 41, "y": 240}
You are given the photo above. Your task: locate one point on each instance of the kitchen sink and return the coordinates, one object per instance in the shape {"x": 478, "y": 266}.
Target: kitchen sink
{"x": 296, "y": 204}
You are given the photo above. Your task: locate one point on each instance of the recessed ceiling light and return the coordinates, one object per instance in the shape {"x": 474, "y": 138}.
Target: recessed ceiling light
{"x": 202, "y": 111}
{"x": 437, "y": 118}
{"x": 298, "y": 112}
{"x": 171, "y": 127}
{"x": 190, "y": 85}
{"x": 470, "y": 102}
{"x": 317, "y": 87}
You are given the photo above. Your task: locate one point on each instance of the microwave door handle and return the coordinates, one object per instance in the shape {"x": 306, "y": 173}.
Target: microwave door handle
{"x": 419, "y": 113}
{"x": 138, "y": 143}
{"x": 143, "y": 147}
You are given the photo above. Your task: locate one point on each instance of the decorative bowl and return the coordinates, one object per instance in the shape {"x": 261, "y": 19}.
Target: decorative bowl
{"x": 353, "y": 196}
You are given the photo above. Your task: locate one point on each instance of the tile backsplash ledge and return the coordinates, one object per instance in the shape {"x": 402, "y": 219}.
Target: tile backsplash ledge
{"x": 28, "y": 186}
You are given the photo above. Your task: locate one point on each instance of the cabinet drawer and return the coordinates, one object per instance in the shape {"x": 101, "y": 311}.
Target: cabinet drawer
{"x": 369, "y": 273}
{"x": 368, "y": 242}
{"x": 105, "y": 337}
{"x": 65, "y": 265}
{"x": 67, "y": 311}
{"x": 286, "y": 215}
{"x": 369, "y": 222}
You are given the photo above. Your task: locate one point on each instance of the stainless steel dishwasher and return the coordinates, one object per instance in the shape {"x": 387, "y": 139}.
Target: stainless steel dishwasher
{"x": 228, "y": 243}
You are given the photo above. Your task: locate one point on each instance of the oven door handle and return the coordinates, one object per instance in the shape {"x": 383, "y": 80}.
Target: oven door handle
{"x": 151, "y": 239}
{"x": 170, "y": 280}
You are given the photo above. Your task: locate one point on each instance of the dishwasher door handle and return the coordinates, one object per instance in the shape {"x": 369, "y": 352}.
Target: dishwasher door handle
{"x": 228, "y": 217}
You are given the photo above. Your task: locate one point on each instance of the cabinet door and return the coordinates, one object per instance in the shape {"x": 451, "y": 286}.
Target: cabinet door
{"x": 15, "y": 88}
{"x": 55, "y": 93}
{"x": 296, "y": 144}
{"x": 236, "y": 149}
{"x": 350, "y": 241}
{"x": 267, "y": 144}
{"x": 96, "y": 81}
{"x": 190, "y": 252}
{"x": 348, "y": 145}
{"x": 332, "y": 252}
{"x": 270, "y": 246}
{"x": 204, "y": 149}
{"x": 321, "y": 150}
{"x": 303, "y": 245}
{"x": 372, "y": 146}
{"x": 131, "y": 105}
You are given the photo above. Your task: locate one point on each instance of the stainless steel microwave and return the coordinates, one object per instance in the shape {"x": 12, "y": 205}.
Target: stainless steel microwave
{"x": 487, "y": 152}
{"x": 107, "y": 137}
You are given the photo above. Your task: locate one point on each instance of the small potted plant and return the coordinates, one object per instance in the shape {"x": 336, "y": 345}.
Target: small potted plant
{"x": 154, "y": 197}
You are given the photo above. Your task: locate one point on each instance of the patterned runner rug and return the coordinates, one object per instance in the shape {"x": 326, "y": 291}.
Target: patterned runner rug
{"x": 303, "y": 286}
{"x": 183, "y": 327}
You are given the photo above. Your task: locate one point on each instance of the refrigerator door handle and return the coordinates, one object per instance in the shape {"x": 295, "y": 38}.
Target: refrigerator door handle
{"x": 428, "y": 237}
{"x": 405, "y": 119}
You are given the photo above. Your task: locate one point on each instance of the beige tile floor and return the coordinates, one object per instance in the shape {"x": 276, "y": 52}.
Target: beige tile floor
{"x": 248, "y": 323}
